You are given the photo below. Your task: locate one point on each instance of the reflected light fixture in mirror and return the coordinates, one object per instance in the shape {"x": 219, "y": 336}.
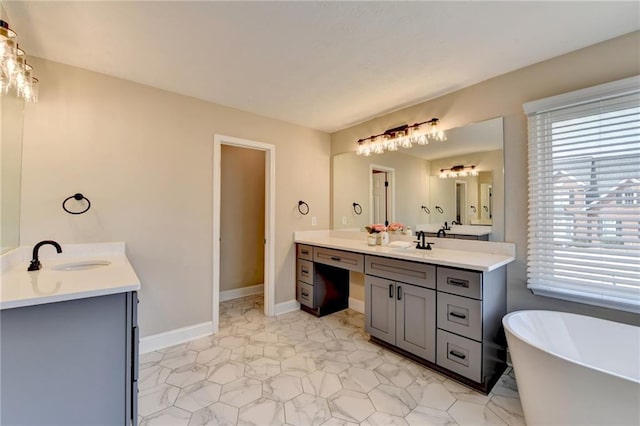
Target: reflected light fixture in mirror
{"x": 401, "y": 137}
{"x": 458, "y": 171}
{"x": 15, "y": 74}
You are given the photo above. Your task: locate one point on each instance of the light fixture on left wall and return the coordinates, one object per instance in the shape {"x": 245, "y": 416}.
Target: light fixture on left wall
{"x": 401, "y": 137}
{"x": 16, "y": 76}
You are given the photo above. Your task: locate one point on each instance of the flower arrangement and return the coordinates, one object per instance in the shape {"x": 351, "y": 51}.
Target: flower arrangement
{"x": 395, "y": 226}
{"x": 375, "y": 228}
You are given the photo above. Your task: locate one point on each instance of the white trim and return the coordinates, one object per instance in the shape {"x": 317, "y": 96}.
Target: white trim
{"x": 270, "y": 221}
{"x": 175, "y": 337}
{"x": 564, "y": 100}
{"x": 236, "y": 293}
{"x": 356, "y": 304}
{"x": 289, "y": 306}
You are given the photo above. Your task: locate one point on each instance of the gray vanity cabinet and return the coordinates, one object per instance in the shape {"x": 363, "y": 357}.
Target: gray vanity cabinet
{"x": 399, "y": 313}
{"x": 70, "y": 363}
{"x": 471, "y": 305}
{"x": 322, "y": 278}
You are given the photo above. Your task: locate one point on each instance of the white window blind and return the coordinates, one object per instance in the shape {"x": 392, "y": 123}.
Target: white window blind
{"x": 584, "y": 195}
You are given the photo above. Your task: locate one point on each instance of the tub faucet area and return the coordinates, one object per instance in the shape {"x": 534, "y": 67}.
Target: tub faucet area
{"x": 35, "y": 264}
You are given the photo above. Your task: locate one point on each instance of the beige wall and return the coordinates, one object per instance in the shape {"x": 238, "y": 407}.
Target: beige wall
{"x": 241, "y": 217}
{"x": 144, "y": 158}
{"x": 503, "y": 96}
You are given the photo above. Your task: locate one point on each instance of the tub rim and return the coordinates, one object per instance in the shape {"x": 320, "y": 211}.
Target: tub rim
{"x": 507, "y": 326}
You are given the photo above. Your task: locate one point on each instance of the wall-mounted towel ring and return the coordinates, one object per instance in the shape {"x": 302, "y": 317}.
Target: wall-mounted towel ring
{"x": 78, "y": 197}
{"x": 303, "y": 208}
{"x": 357, "y": 208}
{"x": 426, "y": 209}
{"x": 439, "y": 209}
{"x": 473, "y": 208}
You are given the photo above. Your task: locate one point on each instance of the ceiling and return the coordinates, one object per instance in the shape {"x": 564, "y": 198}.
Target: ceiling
{"x": 323, "y": 65}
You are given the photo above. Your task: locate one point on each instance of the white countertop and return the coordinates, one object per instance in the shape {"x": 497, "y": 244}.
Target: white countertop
{"x": 475, "y": 255}
{"x": 21, "y": 288}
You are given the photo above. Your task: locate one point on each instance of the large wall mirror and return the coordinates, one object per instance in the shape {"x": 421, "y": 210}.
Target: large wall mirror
{"x": 423, "y": 186}
{"x": 11, "y": 124}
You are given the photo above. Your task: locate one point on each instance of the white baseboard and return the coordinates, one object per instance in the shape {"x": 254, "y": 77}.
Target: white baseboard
{"x": 175, "y": 337}
{"x": 356, "y": 305}
{"x": 241, "y": 292}
{"x": 284, "y": 307}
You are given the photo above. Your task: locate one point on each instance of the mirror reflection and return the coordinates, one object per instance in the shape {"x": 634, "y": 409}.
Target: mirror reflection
{"x": 457, "y": 181}
{"x": 11, "y": 117}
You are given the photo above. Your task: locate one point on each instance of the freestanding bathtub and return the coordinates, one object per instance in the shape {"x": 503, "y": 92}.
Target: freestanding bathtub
{"x": 573, "y": 369}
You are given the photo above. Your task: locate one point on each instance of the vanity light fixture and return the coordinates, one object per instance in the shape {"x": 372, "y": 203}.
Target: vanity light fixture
{"x": 15, "y": 74}
{"x": 401, "y": 137}
{"x": 458, "y": 171}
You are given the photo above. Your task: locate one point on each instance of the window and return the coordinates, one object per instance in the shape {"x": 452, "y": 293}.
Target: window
{"x": 584, "y": 195}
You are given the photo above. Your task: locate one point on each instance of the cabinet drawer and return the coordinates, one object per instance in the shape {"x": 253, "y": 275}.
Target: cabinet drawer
{"x": 339, "y": 258}
{"x": 460, "y": 355}
{"x": 305, "y": 271}
{"x": 460, "y": 315}
{"x": 420, "y": 274}
{"x": 305, "y": 252}
{"x": 460, "y": 282}
{"x": 305, "y": 294}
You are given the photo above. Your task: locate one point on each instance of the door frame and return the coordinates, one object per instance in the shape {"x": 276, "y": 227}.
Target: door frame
{"x": 463, "y": 208}
{"x": 391, "y": 191}
{"x": 269, "y": 225}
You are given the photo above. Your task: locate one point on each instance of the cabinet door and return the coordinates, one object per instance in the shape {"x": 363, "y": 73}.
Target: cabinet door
{"x": 380, "y": 306}
{"x": 416, "y": 320}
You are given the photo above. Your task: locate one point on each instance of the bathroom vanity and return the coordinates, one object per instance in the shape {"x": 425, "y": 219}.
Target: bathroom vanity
{"x": 442, "y": 308}
{"x": 69, "y": 338}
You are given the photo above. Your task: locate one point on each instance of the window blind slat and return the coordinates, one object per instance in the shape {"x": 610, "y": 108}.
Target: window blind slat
{"x": 584, "y": 196}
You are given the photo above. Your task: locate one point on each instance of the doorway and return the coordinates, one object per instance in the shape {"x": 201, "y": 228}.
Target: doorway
{"x": 382, "y": 190}
{"x": 269, "y": 221}
{"x": 461, "y": 202}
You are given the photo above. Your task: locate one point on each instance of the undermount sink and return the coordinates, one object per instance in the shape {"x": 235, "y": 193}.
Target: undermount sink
{"x": 82, "y": 265}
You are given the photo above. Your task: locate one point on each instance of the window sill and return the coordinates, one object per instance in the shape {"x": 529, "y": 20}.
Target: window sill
{"x": 631, "y": 304}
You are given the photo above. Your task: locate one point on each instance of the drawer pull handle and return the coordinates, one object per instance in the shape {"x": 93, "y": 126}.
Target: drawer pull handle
{"x": 305, "y": 294}
{"x": 390, "y": 291}
{"x": 336, "y": 258}
{"x": 457, "y": 315}
{"x": 457, "y": 354}
{"x": 305, "y": 270}
{"x": 457, "y": 282}
{"x": 304, "y": 251}
{"x": 399, "y": 293}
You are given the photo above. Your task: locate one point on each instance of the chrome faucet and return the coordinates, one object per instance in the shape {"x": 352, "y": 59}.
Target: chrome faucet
{"x": 422, "y": 244}
{"x": 35, "y": 262}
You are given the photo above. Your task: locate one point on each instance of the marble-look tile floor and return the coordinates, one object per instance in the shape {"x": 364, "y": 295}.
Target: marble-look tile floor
{"x": 296, "y": 369}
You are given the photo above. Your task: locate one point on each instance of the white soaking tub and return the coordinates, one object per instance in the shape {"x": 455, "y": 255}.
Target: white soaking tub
{"x": 574, "y": 369}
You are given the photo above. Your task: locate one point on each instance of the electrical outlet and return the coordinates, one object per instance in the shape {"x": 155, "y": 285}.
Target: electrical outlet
{"x": 344, "y": 220}
{"x": 314, "y": 221}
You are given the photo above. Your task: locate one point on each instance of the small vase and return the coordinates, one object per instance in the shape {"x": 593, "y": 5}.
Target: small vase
{"x": 384, "y": 238}
{"x": 371, "y": 239}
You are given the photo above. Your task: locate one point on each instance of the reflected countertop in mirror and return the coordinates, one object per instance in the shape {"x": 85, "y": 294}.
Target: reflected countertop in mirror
{"x": 419, "y": 191}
